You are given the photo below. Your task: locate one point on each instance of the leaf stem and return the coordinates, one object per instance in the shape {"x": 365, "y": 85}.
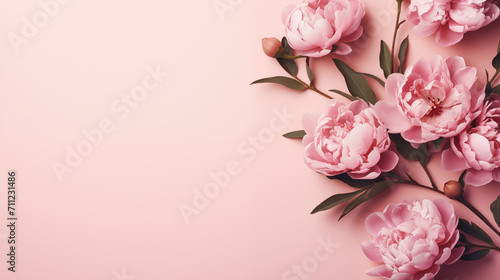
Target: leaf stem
{"x": 396, "y": 28}
{"x": 495, "y": 76}
{"x": 478, "y": 214}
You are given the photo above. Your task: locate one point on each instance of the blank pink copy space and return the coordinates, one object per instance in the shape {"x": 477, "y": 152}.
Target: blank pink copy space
{"x": 142, "y": 152}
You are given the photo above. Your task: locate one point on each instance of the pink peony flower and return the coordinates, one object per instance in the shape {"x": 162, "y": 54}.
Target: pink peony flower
{"x": 478, "y": 148}
{"x": 450, "y": 19}
{"x": 348, "y": 139}
{"x": 412, "y": 239}
{"x": 314, "y": 26}
{"x": 431, "y": 100}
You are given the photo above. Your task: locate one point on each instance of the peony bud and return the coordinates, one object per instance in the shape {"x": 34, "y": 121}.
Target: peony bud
{"x": 453, "y": 189}
{"x": 271, "y": 46}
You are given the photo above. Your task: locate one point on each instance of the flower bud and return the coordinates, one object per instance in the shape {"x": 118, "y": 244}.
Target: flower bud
{"x": 453, "y": 189}
{"x": 271, "y": 46}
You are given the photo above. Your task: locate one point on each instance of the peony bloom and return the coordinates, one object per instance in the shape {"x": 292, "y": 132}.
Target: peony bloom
{"x": 431, "y": 100}
{"x": 450, "y": 19}
{"x": 314, "y": 26}
{"x": 478, "y": 148}
{"x": 348, "y": 139}
{"x": 412, "y": 239}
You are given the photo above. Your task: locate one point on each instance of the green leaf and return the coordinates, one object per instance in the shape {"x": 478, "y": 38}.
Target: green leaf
{"x": 286, "y": 46}
{"x": 309, "y": 72}
{"x": 356, "y": 83}
{"x": 288, "y": 64}
{"x": 496, "y": 90}
{"x": 366, "y": 195}
{"x": 346, "y": 95}
{"x": 461, "y": 179}
{"x": 374, "y": 77}
{"x": 345, "y": 178}
{"x": 385, "y": 58}
{"x": 437, "y": 143}
{"x": 495, "y": 209}
{"x": 496, "y": 61}
{"x": 463, "y": 239}
{"x": 285, "y": 81}
{"x": 477, "y": 255}
{"x": 295, "y": 134}
{"x": 474, "y": 230}
{"x": 335, "y": 200}
{"x": 408, "y": 152}
{"x": 489, "y": 89}
{"x": 402, "y": 54}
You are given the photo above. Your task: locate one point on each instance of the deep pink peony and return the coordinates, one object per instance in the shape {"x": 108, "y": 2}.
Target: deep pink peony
{"x": 412, "y": 239}
{"x": 314, "y": 26}
{"x": 431, "y": 100}
{"x": 348, "y": 139}
{"x": 450, "y": 19}
{"x": 478, "y": 148}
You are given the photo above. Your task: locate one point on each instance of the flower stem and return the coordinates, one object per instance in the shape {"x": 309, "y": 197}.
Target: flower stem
{"x": 479, "y": 214}
{"x": 461, "y": 200}
{"x": 495, "y": 76}
{"x": 429, "y": 176}
{"x": 396, "y": 28}
{"x": 312, "y": 88}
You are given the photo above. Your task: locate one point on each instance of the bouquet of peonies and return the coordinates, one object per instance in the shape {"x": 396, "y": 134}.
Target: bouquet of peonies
{"x": 436, "y": 106}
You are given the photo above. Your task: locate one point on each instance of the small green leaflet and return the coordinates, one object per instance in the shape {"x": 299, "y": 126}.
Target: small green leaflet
{"x": 295, "y": 134}
{"x": 402, "y": 54}
{"x": 309, "y": 72}
{"x": 385, "y": 59}
{"x": 474, "y": 230}
{"x": 285, "y": 81}
{"x": 356, "y": 82}
{"x": 495, "y": 209}
{"x": 335, "y": 200}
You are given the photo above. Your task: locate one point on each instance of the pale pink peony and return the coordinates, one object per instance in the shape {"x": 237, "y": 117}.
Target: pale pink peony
{"x": 478, "y": 148}
{"x": 431, "y": 100}
{"x": 314, "y": 26}
{"x": 412, "y": 239}
{"x": 450, "y": 19}
{"x": 348, "y": 139}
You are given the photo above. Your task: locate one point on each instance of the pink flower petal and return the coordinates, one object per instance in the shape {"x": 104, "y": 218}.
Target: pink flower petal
{"x": 445, "y": 37}
{"x": 371, "y": 251}
{"x": 450, "y": 161}
{"x": 478, "y": 177}
{"x": 391, "y": 117}
{"x": 388, "y": 161}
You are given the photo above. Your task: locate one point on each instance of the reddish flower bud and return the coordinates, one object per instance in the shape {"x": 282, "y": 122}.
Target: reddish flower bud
{"x": 271, "y": 46}
{"x": 453, "y": 189}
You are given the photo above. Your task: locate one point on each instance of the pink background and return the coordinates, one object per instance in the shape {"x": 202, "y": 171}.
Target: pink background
{"x": 116, "y": 214}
